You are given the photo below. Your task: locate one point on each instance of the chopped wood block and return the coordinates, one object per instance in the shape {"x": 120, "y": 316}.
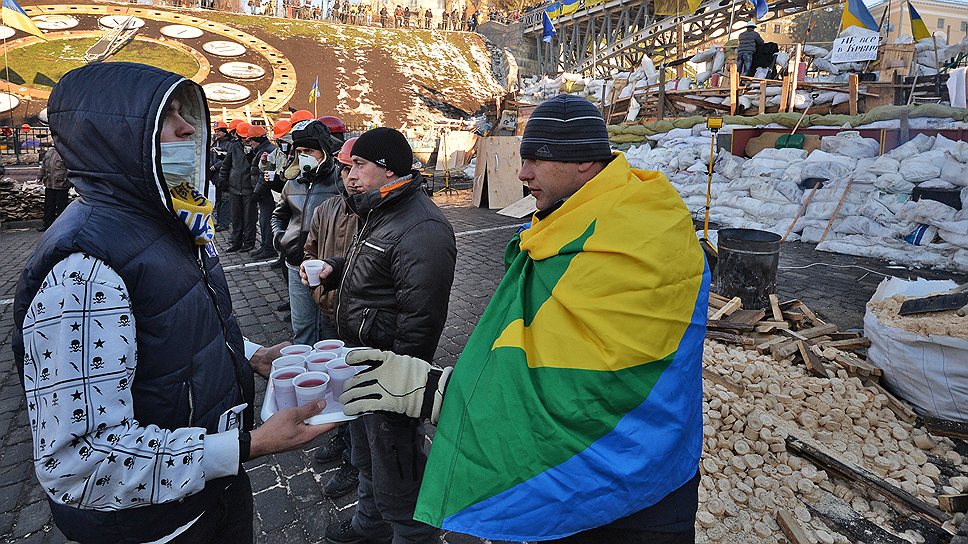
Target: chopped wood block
{"x": 775, "y": 308}
{"x": 730, "y": 338}
{"x": 729, "y": 325}
{"x": 768, "y": 345}
{"x": 820, "y": 330}
{"x": 849, "y": 344}
{"x": 746, "y": 316}
{"x": 734, "y": 304}
{"x": 843, "y": 335}
{"x": 795, "y": 532}
{"x": 794, "y": 316}
{"x": 953, "y": 503}
{"x": 789, "y": 304}
{"x": 868, "y": 480}
{"x": 944, "y": 427}
{"x": 811, "y": 361}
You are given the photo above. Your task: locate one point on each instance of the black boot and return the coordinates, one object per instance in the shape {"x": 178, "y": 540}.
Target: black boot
{"x": 345, "y": 480}
{"x": 335, "y": 444}
{"x": 344, "y": 533}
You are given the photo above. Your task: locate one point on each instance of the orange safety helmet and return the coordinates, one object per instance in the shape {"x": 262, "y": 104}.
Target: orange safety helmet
{"x": 255, "y": 131}
{"x": 220, "y": 125}
{"x": 334, "y": 124}
{"x": 301, "y": 115}
{"x": 25, "y": 127}
{"x": 234, "y": 124}
{"x": 242, "y": 129}
{"x": 346, "y": 152}
{"x": 281, "y": 128}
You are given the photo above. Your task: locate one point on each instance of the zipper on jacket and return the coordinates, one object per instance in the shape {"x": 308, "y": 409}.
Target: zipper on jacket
{"x": 378, "y": 248}
{"x": 221, "y": 319}
{"x": 351, "y": 259}
{"x": 191, "y": 405}
{"x": 396, "y": 455}
{"x": 366, "y": 312}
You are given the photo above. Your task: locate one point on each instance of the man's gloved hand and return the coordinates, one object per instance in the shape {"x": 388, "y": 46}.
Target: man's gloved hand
{"x": 394, "y": 383}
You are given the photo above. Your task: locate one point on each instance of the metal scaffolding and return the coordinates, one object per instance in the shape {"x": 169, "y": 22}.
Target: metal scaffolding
{"x": 617, "y": 33}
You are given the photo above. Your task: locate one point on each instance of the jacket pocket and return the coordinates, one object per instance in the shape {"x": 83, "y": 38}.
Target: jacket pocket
{"x": 366, "y": 324}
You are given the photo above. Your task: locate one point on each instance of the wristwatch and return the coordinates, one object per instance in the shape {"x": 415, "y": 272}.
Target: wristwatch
{"x": 245, "y": 444}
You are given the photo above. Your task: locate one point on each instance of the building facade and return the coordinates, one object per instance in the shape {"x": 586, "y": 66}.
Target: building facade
{"x": 948, "y": 17}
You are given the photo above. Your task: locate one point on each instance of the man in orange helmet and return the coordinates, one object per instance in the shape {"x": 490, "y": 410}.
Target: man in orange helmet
{"x": 220, "y": 145}
{"x": 257, "y": 146}
{"x": 234, "y": 175}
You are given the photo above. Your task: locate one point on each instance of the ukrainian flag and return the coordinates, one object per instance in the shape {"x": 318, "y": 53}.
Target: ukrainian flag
{"x": 918, "y": 28}
{"x": 857, "y": 14}
{"x": 13, "y": 16}
{"x": 578, "y": 398}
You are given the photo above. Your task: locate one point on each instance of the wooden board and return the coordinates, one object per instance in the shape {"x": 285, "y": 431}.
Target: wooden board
{"x": 496, "y": 175}
{"x": 953, "y": 503}
{"x": 895, "y": 59}
{"x": 455, "y": 149}
{"x": 943, "y": 427}
{"x": 839, "y": 516}
{"x": 522, "y": 208}
{"x": 795, "y": 532}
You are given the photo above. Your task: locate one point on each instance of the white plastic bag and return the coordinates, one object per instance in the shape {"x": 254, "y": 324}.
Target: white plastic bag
{"x": 929, "y": 371}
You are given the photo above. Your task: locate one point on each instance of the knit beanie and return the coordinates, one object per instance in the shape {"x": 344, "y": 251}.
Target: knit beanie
{"x": 566, "y": 128}
{"x": 387, "y": 148}
{"x": 311, "y": 135}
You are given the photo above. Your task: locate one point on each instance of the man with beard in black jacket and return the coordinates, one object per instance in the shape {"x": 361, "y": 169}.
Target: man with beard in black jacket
{"x": 394, "y": 285}
{"x": 311, "y": 181}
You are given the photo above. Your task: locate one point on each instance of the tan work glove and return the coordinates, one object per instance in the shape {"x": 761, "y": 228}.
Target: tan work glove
{"x": 394, "y": 383}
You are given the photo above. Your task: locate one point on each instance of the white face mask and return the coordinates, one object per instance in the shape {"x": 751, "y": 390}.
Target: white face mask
{"x": 178, "y": 162}
{"x": 307, "y": 163}
{"x": 247, "y": 148}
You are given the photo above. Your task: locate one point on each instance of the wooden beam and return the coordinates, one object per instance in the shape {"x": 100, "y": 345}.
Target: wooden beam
{"x": 900, "y": 408}
{"x": 943, "y": 427}
{"x": 784, "y": 94}
{"x": 734, "y": 304}
{"x": 847, "y": 345}
{"x": 715, "y": 378}
{"x": 853, "y": 81}
{"x": 775, "y": 308}
{"x": 839, "y": 516}
{"x": 733, "y": 85}
{"x": 843, "y": 197}
{"x": 795, "y": 76}
{"x": 748, "y": 317}
{"x": 762, "y": 105}
{"x": 794, "y": 532}
{"x": 813, "y": 364}
{"x": 745, "y": 341}
{"x": 662, "y": 96}
{"x": 954, "y": 503}
{"x": 725, "y": 325}
{"x": 869, "y": 481}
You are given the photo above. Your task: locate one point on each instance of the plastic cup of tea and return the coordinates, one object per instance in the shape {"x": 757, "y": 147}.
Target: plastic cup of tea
{"x": 313, "y": 267}
{"x": 310, "y": 387}
{"x": 330, "y": 345}
{"x": 296, "y": 349}
{"x": 285, "y": 392}
{"x": 316, "y": 361}
{"x": 289, "y": 360}
{"x": 339, "y": 371}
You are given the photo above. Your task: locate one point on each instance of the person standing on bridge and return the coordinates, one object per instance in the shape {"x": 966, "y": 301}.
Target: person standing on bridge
{"x": 749, "y": 42}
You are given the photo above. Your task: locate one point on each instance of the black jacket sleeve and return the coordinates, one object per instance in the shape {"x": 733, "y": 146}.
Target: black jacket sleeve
{"x": 423, "y": 272}
{"x": 282, "y": 214}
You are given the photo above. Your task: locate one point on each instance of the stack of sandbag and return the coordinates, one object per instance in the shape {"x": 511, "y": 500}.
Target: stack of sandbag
{"x": 536, "y": 90}
{"x": 715, "y": 59}
{"x": 21, "y": 201}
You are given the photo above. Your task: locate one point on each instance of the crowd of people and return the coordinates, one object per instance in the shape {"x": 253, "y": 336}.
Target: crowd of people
{"x": 139, "y": 382}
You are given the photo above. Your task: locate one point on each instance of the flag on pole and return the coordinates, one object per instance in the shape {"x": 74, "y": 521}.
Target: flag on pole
{"x": 857, "y": 14}
{"x": 548, "y": 30}
{"x": 761, "y": 8}
{"x": 918, "y": 28}
{"x": 314, "y": 92}
{"x": 13, "y": 16}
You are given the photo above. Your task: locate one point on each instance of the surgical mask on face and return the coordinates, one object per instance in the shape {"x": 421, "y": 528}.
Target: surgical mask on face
{"x": 307, "y": 163}
{"x": 247, "y": 148}
{"x": 178, "y": 162}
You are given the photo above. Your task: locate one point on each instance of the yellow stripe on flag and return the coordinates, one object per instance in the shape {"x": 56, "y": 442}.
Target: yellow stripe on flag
{"x": 13, "y": 16}
{"x": 918, "y": 28}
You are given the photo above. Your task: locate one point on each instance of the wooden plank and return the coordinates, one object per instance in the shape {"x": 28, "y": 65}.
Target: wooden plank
{"x": 733, "y": 84}
{"x": 734, "y": 304}
{"x": 762, "y": 104}
{"x": 794, "y": 316}
{"x": 771, "y": 326}
{"x": 944, "y": 427}
{"x": 745, "y": 341}
{"x": 789, "y": 304}
{"x": 724, "y": 325}
{"x": 717, "y": 296}
{"x": 839, "y": 516}
{"x": 853, "y": 82}
{"x": 843, "y": 335}
{"x": 867, "y": 480}
{"x": 813, "y": 364}
{"x": 784, "y": 94}
{"x": 713, "y": 377}
{"x": 794, "y": 532}
{"x": 813, "y": 317}
{"x": 953, "y": 503}
{"x": 795, "y": 76}
{"x": 766, "y": 346}
{"x": 817, "y": 331}
{"x": 748, "y": 317}
{"x": 849, "y": 344}
{"x": 775, "y": 308}
{"x": 843, "y": 197}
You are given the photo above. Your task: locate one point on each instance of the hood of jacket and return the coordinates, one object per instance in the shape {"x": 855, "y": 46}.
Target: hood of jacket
{"x": 111, "y": 141}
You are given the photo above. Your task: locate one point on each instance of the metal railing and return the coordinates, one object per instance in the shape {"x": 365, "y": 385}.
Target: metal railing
{"x": 23, "y": 146}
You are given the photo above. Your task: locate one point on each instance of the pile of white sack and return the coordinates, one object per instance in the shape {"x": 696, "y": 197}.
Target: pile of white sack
{"x": 877, "y": 219}
{"x": 536, "y": 89}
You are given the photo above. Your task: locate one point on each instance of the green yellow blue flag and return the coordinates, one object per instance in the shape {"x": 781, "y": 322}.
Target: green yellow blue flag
{"x": 918, "y": 28}
{"x": 857, "y": 14}
{"x": 578, "y": 398}
{"x": 13, "y": 16}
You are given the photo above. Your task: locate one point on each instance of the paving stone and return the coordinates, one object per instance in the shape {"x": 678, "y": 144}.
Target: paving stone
{"x": 274, "y": 509}
{"x": 287, "y": 535}
{"x": 6, "y": 522}
{"x": 32, "y": 518}
{"x": 263, "y": 477}
{"x": 16, "y": 454}
{"x": 15, "y": 474}
{"x": 54, "y": 536}
{"x": 304, "y": 491}
{"x": 9, "y": 495}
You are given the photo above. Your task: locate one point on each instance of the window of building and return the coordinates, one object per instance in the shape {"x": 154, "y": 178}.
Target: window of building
{"x": 776, "y": 29}
{"x": 941, "y": 23}
{"x": 964, "y": 26}
{"x": 762, "y": 28}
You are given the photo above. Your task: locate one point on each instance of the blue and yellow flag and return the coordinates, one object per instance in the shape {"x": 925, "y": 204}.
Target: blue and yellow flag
{"x": 918, "y": 28}
{"x": 857, "y": 14}
{"x": 578, "y": 398}
{"x": 13, "y": 16}
{"x": 314, "y": 92}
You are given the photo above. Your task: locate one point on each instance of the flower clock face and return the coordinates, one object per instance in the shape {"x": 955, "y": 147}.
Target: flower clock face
{"x": 236, "y": 69}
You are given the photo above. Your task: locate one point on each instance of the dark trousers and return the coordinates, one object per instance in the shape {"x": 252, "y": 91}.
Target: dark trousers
{"x": 228, "y": 520}
{"x": 388, "y": 453}
{"x": 223, "y": 209}
{"x": 55, "y": 200}
{"x": 243, "y": 220}
{"x": 626, "y": 536}
{"x": 266, "y": 205}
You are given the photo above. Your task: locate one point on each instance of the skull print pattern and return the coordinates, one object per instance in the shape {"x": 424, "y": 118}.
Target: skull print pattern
{"x": 89, "y": 451}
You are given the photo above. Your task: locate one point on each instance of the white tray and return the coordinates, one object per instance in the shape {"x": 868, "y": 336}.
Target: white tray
{"x": 332, "y": 414}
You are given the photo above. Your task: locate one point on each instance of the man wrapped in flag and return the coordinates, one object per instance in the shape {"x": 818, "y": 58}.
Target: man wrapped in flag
{"x": 574, "y": 413}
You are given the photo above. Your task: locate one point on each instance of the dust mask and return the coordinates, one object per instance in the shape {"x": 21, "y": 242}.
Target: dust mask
{"x": 178, "y": 163}
{"x": 307, "y": 163}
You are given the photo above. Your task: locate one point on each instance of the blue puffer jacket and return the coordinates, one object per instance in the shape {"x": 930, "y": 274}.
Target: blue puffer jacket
{"x": 107, "y": 118}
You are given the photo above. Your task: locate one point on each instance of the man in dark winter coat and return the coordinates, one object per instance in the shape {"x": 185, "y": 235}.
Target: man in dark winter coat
{"x": 220, "y": 145}
{"x": 749, "y": 41}
{"x": 53, "y": 174}
{"x": 257, "y": 146}
{"x": 138, "y": 382}
{"x": 312, "y": 181}
{"x": 235, "y": 174}
{"x": 394, "y": 285}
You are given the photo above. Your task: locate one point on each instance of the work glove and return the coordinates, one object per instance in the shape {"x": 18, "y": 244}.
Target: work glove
{"x": 394, "y": 383}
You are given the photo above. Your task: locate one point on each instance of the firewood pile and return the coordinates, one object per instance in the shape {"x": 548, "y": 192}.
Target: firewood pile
{"x": 803, "y": 445}
{"x": 21, "y": 201}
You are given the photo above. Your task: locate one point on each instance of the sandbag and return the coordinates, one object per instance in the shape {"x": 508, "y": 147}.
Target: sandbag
{"x": 919, "y": 168}
{"x": 850, "y": 144}
{"x": 859, "y": 224}
{"x": 884, "y": 165}
{"x": 815, "y": 51}
{"x": 938, "y": 184}
{"x": 928, "y": 371}
{"x": 893, "y": 183}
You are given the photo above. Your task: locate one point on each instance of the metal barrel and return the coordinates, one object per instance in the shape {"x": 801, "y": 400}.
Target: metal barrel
{"x": 748, "y": 259}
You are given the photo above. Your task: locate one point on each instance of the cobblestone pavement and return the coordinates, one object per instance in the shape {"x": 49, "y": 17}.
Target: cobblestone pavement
{"x": 289, "y": 503}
